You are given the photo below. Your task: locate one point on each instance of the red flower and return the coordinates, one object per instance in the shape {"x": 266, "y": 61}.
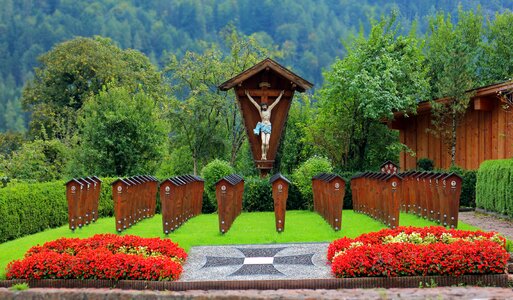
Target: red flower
{"x": 104, "y": 256}
{"x": 466, "y": 252}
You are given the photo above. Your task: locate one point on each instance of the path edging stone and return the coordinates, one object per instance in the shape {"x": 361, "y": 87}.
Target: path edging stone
{"x": 497, "y": 280}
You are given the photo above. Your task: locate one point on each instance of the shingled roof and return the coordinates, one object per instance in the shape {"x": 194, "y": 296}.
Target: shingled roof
{"x": 302, "y": 84}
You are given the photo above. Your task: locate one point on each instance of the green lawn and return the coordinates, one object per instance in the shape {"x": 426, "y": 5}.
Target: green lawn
{"x": 249, "y": 228}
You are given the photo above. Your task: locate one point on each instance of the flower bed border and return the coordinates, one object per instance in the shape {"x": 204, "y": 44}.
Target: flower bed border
{"x": 496, "y": 280}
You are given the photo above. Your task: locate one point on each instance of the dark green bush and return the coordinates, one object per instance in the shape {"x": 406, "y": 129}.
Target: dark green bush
{"x": 425, "y": 164}
{"x": 4, "y": 180}
{"x": 211, "y": 173}
{"x": 27, "y": 208}
{"x": 257, "y": 194}
{"x": 295, "y": 199}
{"x": 468, "y": 186}
{"x": 494, "y": 187}
{"x": 468, "y": 189}
{"x": 348, "y": 200}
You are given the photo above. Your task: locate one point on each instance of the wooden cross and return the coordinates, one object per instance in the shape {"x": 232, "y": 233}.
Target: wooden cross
{"x": 264, "y": 93}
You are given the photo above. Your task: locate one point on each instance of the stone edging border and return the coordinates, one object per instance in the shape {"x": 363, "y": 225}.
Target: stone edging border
{"x": 493, "y": 214}
{"x": 497, "y": 280}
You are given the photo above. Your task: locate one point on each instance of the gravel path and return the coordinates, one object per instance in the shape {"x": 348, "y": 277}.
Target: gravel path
{"x": 488, "y": 223}
{"x": 257, "y": 262}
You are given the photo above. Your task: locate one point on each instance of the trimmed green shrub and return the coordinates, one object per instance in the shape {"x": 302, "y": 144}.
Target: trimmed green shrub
{"x": 348, "y": 197}
{"x": 302, "y": 176}
{"x": 468, "y": 186}
{"x": 295, "y": 199}
{"x": 106, "y": 204}
{"x": 494, "y": 187}
{"x": 425, "y": 164}
{"x": 27, "y": 208}
{"x": 258, "y": 195}
{"x": 211, "y": 173}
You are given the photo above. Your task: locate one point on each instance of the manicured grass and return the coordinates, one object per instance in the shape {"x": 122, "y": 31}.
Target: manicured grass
{"x": 249, "y": 228}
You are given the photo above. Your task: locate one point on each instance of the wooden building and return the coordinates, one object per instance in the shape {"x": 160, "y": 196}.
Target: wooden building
{"x": 485, "y": 131}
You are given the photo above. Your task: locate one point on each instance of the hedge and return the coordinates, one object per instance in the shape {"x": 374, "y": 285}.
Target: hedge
{"x": 27, "y": 208}
{"x": 494, "y": 188}
{"x": 302, "y": 177}
{"x": 257, "y": 195}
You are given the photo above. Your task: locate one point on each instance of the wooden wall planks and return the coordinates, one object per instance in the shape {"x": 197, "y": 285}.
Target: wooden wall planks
{"x": 481, "y": 135}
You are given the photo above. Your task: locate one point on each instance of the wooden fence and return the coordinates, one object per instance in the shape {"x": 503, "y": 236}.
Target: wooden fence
{"x": 82, "y": 195}
{"x": 229, "y": 191}
{"x": 181, "y": 198}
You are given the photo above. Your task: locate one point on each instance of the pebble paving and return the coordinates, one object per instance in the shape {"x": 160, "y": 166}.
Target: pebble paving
{"x": 257, "y": 262}
{"x": 409, "y": 294}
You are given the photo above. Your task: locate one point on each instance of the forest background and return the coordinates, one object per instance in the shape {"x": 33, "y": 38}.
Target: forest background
{"x": 117, "y": 88}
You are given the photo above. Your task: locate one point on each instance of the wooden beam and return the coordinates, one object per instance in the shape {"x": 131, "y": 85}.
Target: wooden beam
{"x": 398, "y": 124}
{"x": 483, "y": 103}
{"x": 261, "y": 93}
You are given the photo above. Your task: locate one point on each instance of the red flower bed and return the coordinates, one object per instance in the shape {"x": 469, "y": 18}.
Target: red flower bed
{"x": 105, "y": 256}
{"x": 409, "y": 251}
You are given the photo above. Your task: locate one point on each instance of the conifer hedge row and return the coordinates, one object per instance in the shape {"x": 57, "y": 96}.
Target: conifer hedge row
{"x": 494, "y": 188}
{"x": 27, "y": 208}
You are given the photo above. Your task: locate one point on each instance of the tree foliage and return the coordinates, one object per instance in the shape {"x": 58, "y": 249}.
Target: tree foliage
{"x": 497, "y": 58}
{"x": 296, "y": 147}
{"x": 452, "y": 56}
{"x": 203, "y": 43}
{"x": 39, "y": 160}
{"x": 75, "y": 70}
{"x": 309, "y": 30}
{"x": 381, "y": 74}
{"x": 121, "y": 133}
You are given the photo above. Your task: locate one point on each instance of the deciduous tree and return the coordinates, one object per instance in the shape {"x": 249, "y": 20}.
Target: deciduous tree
{"x": 75, "y": 70}
{"x": 121, "y": 133}
{"x": 452, "y": 54}
{"x": 381, "y": 74}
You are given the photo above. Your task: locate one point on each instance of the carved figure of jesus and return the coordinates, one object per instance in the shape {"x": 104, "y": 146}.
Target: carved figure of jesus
{"x": 263, "y": 128}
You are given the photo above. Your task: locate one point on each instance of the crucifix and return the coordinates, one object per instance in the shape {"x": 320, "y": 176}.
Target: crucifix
{"x": 264, "y": 93}
{"x": 263, "y": 128}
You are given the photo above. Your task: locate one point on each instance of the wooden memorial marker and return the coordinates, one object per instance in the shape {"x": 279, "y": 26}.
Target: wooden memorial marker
{"x": 452, "y": 184}
{"x": 389, "y": 168}
{"x": 73, "y": 193}
{"x": 264, "y": 93}
{"x": 119, "y": 194}
{"x": 280, "y": 186}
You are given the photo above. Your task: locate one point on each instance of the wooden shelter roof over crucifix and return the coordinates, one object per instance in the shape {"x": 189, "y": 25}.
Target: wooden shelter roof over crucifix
{"x": 264, "y": 93}
{"x": 301, "y": 84}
